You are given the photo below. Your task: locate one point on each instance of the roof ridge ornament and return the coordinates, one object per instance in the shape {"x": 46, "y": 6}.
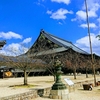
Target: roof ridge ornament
{"x": 42, "y": 30}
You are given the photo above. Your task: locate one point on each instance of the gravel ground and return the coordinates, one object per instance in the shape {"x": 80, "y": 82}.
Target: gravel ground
{"x": 80, "y": 94}
{"x": 47, "y": 81}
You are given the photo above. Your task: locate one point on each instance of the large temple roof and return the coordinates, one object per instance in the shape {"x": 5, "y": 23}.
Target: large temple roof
{"x": 63, "y": 42}
{"x": 61, "y": 45}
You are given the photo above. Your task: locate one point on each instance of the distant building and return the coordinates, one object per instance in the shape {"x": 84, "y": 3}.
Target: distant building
{"x": 2, "y": 43}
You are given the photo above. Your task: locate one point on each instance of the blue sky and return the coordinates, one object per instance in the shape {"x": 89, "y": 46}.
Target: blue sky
{"x": 22, "y": 20}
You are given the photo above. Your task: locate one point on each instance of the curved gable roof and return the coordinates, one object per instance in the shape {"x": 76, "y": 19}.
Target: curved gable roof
{"x": 62, "y": 42}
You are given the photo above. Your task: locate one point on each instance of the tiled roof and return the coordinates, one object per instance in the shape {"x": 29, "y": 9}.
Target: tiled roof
{"x": 62, "y": 42}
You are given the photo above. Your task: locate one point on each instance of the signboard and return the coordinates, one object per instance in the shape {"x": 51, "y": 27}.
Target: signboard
{"x": 68, "y": 81}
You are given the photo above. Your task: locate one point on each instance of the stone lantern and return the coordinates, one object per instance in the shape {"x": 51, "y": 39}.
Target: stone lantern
{"x": 58, "y": 90}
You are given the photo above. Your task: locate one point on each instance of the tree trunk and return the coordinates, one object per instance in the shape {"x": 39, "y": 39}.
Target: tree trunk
{"x": 3, "y": 75}
{"x": 86, "y": 73}
{"x": 54, "y": 78}
{"x": 25, "y": 77}
{"x": 74, "y": 73}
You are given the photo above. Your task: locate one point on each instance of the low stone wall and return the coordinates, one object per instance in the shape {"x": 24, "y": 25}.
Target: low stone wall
{"x": 23, "y": 96}
{"x": 28, "y": 95}
{"x": 79, "y": 84}
{"x": 43, "y": 91}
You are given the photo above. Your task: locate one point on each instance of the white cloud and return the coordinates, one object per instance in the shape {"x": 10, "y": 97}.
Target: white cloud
{"x": 27, "y": 40}
{"x": 60, "y": 23}
{"x": 62, "y": 1}
{"x": 93, "y": 7}
{"x": 74, "y": 19}
{"x": 49, "y": 12}
{"x": 98, "y": 19}
{"x": 82, "y": 14}
{"x": 39, "y": 3}
{"x": 10, "y": 35}
{"x": 84, "y": 44}
{"x": 59, "y": 14}
{"x": 15, "y": 49}
{"x": 91, "y": 25}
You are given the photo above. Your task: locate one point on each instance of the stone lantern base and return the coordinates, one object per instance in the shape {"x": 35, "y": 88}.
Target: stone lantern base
{"x": 59, "y": 94}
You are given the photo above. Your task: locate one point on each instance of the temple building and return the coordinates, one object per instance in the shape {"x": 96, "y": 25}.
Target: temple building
{"x": 47, "y": 47}
{"x": 52, "y": 44}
